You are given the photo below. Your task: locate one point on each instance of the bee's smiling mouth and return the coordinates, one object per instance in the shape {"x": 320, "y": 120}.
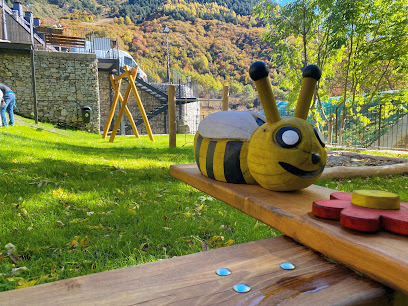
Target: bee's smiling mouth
{"x": 299, "y": 172}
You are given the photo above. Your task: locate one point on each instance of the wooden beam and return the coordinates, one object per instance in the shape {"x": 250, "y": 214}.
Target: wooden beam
{"x": 172, "y": 115}
{"x": 116, "y": 88}
{"x": 191, "y": 280}
{"x": 132, "y": 77}
{"x": 120, "y": 115}
{"x": 128, "y": 113}
{"x": 381, "y": 256}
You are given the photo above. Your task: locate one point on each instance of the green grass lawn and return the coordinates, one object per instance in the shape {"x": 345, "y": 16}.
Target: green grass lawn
{"x": 72, "y": 204}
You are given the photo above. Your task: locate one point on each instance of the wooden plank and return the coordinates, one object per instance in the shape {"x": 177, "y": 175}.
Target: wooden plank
{"x": 65, "y": 41}
{"x": 382, "y": 256}
{"x": 191, "y": 280}
{"x": 56, "y": 39}
{"x": 56, "y": 36}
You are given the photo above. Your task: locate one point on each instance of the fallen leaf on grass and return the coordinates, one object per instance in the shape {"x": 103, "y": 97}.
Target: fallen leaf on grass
{"x": 215, "y": 238}
{"x": 16, "y": 271}
{"x": 221, "y": 244}
{"x": 23, "y": 284}
{"x": 59, "y": 223}
{"x": 84, "y": 241}
{"x": 256, "y": 225}
{"x": 78, "y": 220}
{"x": 206, "y": 198}
{"x": 1, "y": 257}
{"x": 12, "y": 253}
{"x": 25, "y": 213}
{"x": 100, "y": 226}
{"x": 199, "y": 208}
{"x": 73, "y": 242}
{"x": 41, "y": 183}
{"x": 131, "y": 211}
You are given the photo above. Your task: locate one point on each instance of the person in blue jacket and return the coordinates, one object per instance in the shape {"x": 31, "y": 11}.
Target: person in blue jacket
{"x": 7, "y": 105}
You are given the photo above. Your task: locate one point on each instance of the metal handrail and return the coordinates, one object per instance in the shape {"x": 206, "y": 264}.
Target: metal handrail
{"x": 156, "y": 90}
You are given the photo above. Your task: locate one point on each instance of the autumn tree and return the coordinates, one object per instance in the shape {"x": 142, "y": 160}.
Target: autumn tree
{"x": 363, "y": 41}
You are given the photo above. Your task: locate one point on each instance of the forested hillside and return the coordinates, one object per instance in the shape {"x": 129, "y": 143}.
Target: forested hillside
{"x": 140, "y": 10}
{"x": 211, "y": 51}
{"x": 214, "y": 42}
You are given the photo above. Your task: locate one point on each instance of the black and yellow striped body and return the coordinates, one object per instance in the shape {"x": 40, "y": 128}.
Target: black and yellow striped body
{"x": 223, "y": 160}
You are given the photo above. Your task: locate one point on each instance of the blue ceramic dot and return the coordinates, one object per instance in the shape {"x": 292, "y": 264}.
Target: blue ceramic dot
{"x": 241, "y": 288}
{"x": 287, "y": 266}
{"x": 223, "y": 272}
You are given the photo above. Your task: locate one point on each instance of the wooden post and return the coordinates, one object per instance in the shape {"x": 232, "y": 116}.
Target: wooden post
{"x": 172, "y": 115}
{"x": 225, "y": 94}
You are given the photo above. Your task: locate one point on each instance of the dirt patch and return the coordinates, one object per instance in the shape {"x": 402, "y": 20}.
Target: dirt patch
{"x": 344, "y": 164}
{"x": 103, "y": 20}
{"x": 353, "y": 159}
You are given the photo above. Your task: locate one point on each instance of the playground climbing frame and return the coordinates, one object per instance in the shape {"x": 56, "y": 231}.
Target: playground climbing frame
{"x": 116, "y": 83}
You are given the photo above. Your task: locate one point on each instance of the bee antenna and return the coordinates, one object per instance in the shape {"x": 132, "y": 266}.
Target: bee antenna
{"x": 312, "y": 71}
{"x": 258, "y": 70}
{"x": 311, "y": 75}
{"x": 259, "y": 73}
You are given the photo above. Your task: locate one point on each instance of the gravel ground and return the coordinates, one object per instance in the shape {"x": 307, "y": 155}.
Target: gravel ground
{"x": 351, "y": 159}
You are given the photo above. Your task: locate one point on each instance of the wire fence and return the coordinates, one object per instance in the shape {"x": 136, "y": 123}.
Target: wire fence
{"x": 378, "y": 126}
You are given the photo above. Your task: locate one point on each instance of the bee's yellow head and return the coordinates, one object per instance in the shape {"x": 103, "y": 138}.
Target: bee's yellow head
{"x": 286, "y": 153}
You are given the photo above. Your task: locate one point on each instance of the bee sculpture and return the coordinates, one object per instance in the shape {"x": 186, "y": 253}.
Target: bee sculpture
{"x": 280, "y": 154}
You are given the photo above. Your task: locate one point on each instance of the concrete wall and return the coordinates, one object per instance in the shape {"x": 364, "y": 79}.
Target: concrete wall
{"x": 66, "y": 82}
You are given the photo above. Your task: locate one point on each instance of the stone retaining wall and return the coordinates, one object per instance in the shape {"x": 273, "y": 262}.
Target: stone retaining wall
{"x": 66, "y": 82}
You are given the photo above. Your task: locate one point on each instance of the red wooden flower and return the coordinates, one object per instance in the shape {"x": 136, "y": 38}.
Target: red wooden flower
{"x": 363, "y": 219}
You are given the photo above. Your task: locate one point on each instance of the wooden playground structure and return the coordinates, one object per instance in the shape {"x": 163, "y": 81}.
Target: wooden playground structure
{"x": 130, "y": 74}
{"x": 116, "y": 82}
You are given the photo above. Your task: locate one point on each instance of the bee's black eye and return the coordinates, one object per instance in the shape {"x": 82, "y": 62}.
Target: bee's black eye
{"x": 319, "y": 137}
{"x": 288, "y": 137}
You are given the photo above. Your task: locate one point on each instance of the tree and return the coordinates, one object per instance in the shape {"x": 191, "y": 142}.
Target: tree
{"x": 375, "y": 46}
{"x": 128, "y": 21}
{"x": 300, "y": 33}
{"x": 248, "y": 91}
{"x": 363, "y": 41}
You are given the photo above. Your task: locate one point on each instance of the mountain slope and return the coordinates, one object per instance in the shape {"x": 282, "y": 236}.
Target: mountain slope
{"x": 210, "y": 42}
